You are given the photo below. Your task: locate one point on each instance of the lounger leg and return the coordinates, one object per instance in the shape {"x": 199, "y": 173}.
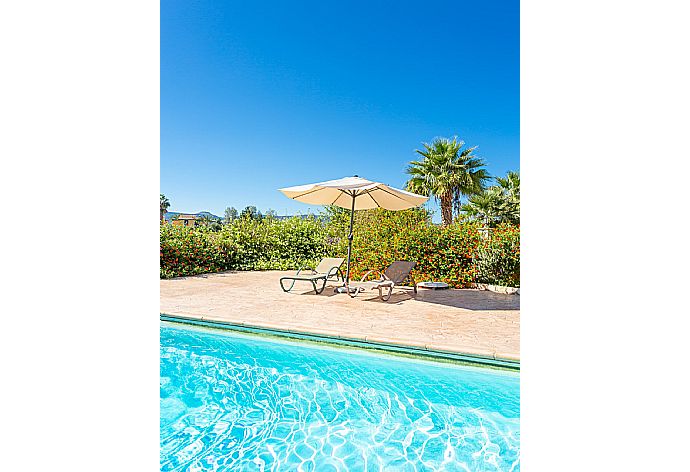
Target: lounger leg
{"x": 292, "y": 284}
{"x": 352, "y": 293}
{"x": 323, "y": 287}
{"x": 388, "y": 297}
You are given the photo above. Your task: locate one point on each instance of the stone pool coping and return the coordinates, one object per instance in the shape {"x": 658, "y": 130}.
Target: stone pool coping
{"x": 331, "y": 337}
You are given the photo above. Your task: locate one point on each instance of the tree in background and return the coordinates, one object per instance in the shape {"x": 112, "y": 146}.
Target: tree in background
{"x": 448, "y": 172}
{"x": 165, "y": 204}
{"x": 210, "y": 222}
{"x": 510, "y": 184}
{"x": 251, "y": 212}
{"x": 230, "y": 215}
{"x": 270, "y": 213}
{"x": 497, "y": 204}
{"x": 486, "y": 207}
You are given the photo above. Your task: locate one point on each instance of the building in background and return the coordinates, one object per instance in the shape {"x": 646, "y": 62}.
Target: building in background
{"x": 185, "y": 219}
{"x": 189, "y": 219}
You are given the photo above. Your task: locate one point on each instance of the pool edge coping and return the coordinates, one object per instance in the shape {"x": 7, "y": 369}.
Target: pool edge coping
{"x": 366, "y": 343}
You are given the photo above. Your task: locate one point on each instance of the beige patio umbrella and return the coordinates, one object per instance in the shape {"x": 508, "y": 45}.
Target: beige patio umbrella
{"x": 354, "y": 193}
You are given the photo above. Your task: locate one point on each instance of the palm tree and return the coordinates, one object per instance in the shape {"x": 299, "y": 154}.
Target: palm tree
{"x": 209, "y": 222}
{"x": 487, "y": 207}
{"x": 165, "y": 204}
{"x": 447, "y": 173}
{"x": 510, "y": 185}
{"x": 497, "y": 204}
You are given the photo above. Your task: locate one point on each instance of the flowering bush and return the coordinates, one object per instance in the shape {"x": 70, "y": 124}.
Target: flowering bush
{"x": 381, "y": 237}
{"x": 188, "y": 251}
{"x": 456, "y": 254}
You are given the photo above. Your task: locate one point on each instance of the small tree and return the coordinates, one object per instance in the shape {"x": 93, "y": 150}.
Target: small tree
{"x": 230, "y": 215}
{"x": 251, "y": 213}
{"x": 165, "y": 204}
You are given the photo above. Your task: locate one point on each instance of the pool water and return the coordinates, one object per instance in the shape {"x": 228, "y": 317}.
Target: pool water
{"x": 231, "y": 401}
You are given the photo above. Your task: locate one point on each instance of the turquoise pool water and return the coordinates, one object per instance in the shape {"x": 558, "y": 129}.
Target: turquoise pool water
{"x": 239, "y": 402}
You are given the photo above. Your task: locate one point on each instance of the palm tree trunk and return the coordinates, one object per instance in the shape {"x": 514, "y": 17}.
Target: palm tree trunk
{"x": 447, "y": 208}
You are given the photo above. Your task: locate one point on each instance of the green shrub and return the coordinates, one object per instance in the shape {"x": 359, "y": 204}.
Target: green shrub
{"x": 498, "y": 258}
{"x": 244, "y": 244}
{"x": 381, "y": 237}
{"x": 455, "y": 254}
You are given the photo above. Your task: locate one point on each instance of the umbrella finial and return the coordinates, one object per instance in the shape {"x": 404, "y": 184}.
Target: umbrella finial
{"x": 355, "y": 175}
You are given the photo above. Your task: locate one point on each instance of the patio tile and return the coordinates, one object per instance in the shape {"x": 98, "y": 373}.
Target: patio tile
{"x": 460, "y": 321}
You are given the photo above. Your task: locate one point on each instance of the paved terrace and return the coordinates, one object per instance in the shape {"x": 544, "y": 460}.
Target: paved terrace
{"x": 460, "y": 321}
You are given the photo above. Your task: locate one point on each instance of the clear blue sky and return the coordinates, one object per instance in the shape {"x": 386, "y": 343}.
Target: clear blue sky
{"x": 261, "y": 95}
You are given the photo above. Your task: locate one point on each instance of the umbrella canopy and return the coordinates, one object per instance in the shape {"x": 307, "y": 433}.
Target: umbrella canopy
{"x": 367, "y": 194}
{"x": 354, "y": 193}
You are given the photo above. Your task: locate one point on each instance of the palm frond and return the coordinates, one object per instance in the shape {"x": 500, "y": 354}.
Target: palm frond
{"x": 447, "y": 169}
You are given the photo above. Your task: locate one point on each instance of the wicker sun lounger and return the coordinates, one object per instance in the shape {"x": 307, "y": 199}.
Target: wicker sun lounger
{"x": 328, "y": 268}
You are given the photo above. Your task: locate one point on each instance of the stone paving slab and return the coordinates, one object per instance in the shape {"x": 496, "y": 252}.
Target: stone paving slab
{"x": 463, "y": 321}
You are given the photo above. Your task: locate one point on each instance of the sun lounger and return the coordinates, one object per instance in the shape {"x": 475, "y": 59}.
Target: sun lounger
{"x": 395, "y": 275}
{"x": 328, "y": 268}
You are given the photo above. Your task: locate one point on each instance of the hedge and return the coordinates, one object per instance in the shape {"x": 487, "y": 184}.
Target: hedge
{"x": 246, "y": 244}
{"x": 456, "y": 254}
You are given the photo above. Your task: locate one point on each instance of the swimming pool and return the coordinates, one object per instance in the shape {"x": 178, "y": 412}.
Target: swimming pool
{"x": 231, "y": 401}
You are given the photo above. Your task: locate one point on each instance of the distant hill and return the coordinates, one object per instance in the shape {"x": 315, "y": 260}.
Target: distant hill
{"x": 172, "y": 214}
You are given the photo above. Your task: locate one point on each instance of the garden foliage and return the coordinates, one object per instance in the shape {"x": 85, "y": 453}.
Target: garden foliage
{"x": 497, "y": 260}
{"x": 456, "y": 254}
{"x": 243, "y": 244}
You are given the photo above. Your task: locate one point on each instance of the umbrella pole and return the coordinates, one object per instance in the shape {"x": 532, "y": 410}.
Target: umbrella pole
{"x": 349, "y": 243}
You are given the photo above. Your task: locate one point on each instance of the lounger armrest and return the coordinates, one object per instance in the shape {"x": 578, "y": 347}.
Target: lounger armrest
{"x": 370, "y": 271}
{"x": 334, "y": 271}
{"x": 305, "y": 268}
{"x": 385, "y": 283}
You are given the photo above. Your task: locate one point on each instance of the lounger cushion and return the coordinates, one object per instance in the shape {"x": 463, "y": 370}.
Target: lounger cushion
{"x": 329, "y": 263}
